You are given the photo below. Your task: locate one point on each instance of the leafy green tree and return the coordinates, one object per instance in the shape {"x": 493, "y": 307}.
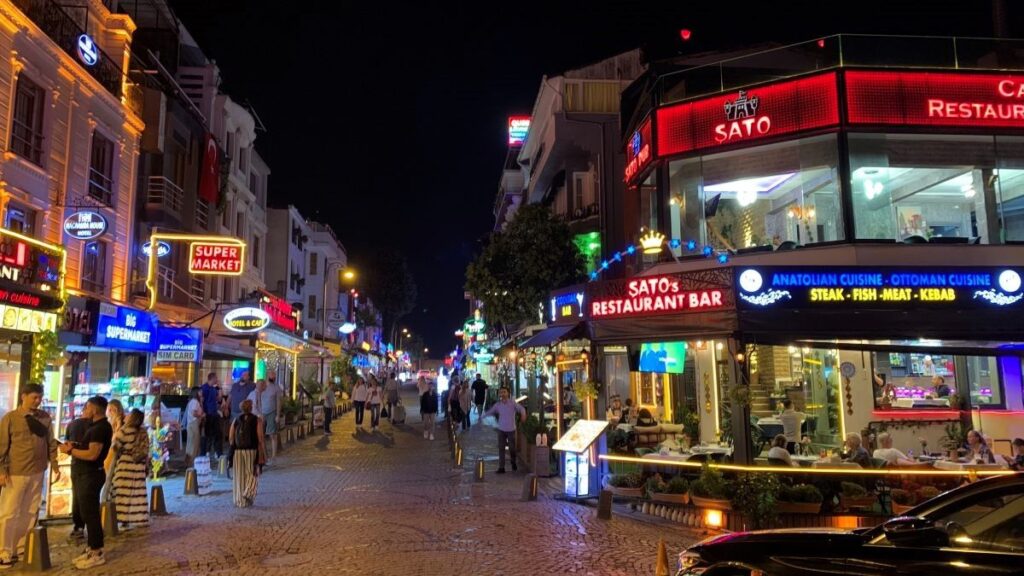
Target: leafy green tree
{"x": 391, "y": 285}
{"x": 520, "y": 265}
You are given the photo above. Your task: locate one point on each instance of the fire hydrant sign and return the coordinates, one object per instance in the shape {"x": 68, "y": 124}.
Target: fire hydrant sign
{"x": 216, "y": 258}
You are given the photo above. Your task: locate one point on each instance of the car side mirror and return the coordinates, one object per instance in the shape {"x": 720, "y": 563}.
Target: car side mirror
{"x": 915, "y": 531}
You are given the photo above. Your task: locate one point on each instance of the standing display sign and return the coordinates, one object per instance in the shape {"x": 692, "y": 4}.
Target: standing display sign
{"x": 582, "y": 445}
{"x": 178, "y": 344}
{"x": 124, "y": 328}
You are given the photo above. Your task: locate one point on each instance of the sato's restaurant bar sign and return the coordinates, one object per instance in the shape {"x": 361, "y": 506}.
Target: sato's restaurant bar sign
{"x": 124, "y": 328}
{"x": 178, "y": 344}
{"x": 225, "y": 258}
{"x": 656, "y": 295}
{"x": 935, "y": 99}
{"x": 746, "y": 115}
{"x": 883, "y": 287}
{"x": 85, "y": 225}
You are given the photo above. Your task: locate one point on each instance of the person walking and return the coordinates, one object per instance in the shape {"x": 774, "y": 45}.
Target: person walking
{"x": 87, "y": 477}
{"x": 374, "y": 399}
{"x": 454, "y": 404}
{"x": 421, "y": 386}
{"x": 193, "y": 426}
{"x": 391, "y": 394}
{"x": 330, "y": 403}
{"x": 465, "y": 404}
{"x": 239, "y": 392}
{"x": 359, "y": 395}
{"x": 428, "y": 409}
{"x": 272, "y": 407}
{"x": 128, "y": 486}
{"x": 211, "y": 396}
{"x": 27, "y": 446}
{"x": 479, "y": 396}
{"x": 246, "y": 441}
{"x": 505, "y": 410}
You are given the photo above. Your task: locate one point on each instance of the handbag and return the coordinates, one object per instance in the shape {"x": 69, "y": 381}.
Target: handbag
{"x": 384, "y": 413}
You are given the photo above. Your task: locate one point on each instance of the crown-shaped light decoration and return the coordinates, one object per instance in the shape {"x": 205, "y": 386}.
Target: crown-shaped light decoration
{"x": 652, "y": 242}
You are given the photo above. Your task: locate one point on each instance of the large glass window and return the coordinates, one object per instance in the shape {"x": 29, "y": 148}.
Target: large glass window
{"x": 1010, "y": 179}
{"x": 27, "y": 123}
{"x": 917, "y": 188}
{"x": 930, "y": 379}
{"x": 94, "y": 266}
{"x": 765, "y": 196}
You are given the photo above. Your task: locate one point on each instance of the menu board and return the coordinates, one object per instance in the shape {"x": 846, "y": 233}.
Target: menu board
{"x": 582, "y": 434}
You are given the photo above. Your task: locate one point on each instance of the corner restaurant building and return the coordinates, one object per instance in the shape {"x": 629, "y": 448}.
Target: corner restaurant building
{"x": 869, "y": 216}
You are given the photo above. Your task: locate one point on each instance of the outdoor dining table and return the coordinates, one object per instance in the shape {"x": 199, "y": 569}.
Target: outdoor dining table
{"x": 960, "y": 466}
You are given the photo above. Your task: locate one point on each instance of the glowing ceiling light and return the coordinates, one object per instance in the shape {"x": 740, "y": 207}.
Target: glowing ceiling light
{"x": 872, "y": 188}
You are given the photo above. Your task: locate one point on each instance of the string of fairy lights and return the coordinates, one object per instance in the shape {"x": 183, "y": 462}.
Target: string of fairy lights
{"x": 652, "y": 243}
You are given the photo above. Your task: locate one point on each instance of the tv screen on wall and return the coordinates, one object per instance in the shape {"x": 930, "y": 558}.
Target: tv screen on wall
{"x": 663, "y": 357}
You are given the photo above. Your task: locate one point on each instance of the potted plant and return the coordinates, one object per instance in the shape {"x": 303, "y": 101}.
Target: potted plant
{"x": 800, "y": 499}
{"x": 853, "y": 495}
{"x": 672, "y": 492}
{"x": 587, "y": 392}
{"x": 630, "y": 485}
{"x": 954, "y": 438}
{"x": 756, "y": 496}
{"x": 902, "y": 501}
{"x": 710, "y": 490}
{"x": 291, "y": 408}
{"x": 927, "y": 493}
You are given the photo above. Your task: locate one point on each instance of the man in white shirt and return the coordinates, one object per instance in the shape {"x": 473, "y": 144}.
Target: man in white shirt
{"x": 791, "y": 423}
{"x": 888, "y": 453}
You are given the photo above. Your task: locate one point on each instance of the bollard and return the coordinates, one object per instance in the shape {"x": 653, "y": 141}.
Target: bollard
{"x": 222, "y": 465}
{"x": 529, "y": 487}
{"x": 455, "y": 448}
{"x": 37, "y": 550}
{"x": 191, "y": 482}
{"x": 479, "y": 470}
{"x": 604, "y": 505}
{"x": 157, "y": 506}
{"x": 108, "y": 519}
{"x": 458, "y": 457}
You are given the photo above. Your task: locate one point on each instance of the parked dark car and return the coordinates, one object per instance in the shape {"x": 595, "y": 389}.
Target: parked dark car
{"x": 976, "y": 529}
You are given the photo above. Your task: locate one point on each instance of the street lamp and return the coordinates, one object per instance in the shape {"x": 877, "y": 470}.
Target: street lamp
{"x": 347, "y": 274}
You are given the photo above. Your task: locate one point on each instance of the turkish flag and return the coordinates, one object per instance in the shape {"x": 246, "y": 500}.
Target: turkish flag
{"x": 209, "y": 182}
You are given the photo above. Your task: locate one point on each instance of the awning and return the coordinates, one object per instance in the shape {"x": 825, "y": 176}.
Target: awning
{"x": 550, "y": 336}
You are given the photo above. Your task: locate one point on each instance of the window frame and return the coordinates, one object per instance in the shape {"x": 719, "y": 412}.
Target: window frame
{"x": 28, "y": 135}
{"x": 86, "y": 278}
{"x": 97, "y": 180}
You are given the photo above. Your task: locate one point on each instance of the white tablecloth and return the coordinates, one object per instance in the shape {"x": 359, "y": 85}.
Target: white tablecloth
{"x": 960, "y": 466}
{"x": 673, "y": 456}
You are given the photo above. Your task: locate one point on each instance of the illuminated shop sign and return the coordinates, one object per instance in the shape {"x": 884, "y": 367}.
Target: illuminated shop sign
{"x": 773, "y": 110}
{"x": 29, "y": 273}
{"x": 85, "y": 225}
{"x": 87, "y": 50}
{"x": 125, "y": 328}
{"x": 162, "y": 248}
{"x": 246, "y": 319}
{"x": 935, "y": 99}
{"x": 518, "y": 127}
{"x": 858, "y": 287}
{"x": 25, "y": 320}
{"x": 280, "y": 312}
{"x": 567, "y": 306}
{"x": 216, "y": 258}
{"x": 638, "y": 151}
{"x": 178, "y": 344}
{"x": 656, "y": 295}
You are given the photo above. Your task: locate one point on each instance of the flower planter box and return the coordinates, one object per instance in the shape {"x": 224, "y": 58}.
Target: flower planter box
{"x": 900, "y": 509}
{"x": 798, "y": 507}
{"x": 627, "y": 492}
{"x": 683, "y": 498}
{"x": 712, "y": 503}
{"x": 848, "y": 502}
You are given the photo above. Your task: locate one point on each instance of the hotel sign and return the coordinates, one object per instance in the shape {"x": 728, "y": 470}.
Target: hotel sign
{"x": 216, "y": 258}
{"x": 883, "y": 287}
{"x": 85, "y": 225}
{"x": 935, "y": 99}
{"x": 246, "y": 320}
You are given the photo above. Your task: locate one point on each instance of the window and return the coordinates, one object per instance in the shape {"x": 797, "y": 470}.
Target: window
{"x": 255, "y": 251}
{"x": 20, "y": 219}
{"x": 312, "y": 264}
{"x": 983, "y": 381}
{"x": 763, "y": 196}
{"x": 928, "y": 379}
{"x": 101, "y": 169}
{"x": 311, "y": 309}
{"x": 240, "y": 224}
{"x": 27, "y": 127}
{"x": 94, "y": 266}
{"x": 577, "y": 202}
{"x": 243, "y": 159}
{"x": 1010, "y": 180}
{"x": 917, "y": 188}
{"x": 230, "y": 149}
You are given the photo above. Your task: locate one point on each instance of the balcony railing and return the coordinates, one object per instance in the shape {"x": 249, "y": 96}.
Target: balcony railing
{"x": 202, "y": 215}
{"x": 164, "y": 193}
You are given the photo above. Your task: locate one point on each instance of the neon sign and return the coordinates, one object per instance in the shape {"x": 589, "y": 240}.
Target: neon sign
{"x": 280, "y": 312}
{"x": 29, "y": 272}
{"x": 216, "y": 258}
{"x": 87, "y": 50}
{"x": 518, "y": 126}
{"x": 935, "y": 99}
{"x": 567, "y": 306}
{"x": 656, "y": 295}
{"x": 246, "y": 319}
{"x": 638, "y": 151}
{"x": 796, "y": 287}
{"x": 125, "y": 328}
{"x": 85, "y": 225}
{"x": 162, "y": 248}
{"x": 772, "y": 110}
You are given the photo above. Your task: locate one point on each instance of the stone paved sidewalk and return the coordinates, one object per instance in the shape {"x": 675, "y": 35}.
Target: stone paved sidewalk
{"x": 388, "y": 503}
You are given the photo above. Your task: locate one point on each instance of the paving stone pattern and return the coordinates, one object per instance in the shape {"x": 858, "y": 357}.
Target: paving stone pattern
{"x": 380, "y": 504}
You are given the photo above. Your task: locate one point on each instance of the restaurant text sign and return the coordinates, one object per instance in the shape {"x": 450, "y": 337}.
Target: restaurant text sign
{"x": 935, "y": 99}
{"x": 656, "y": 295}
{"x": 886, "y": 287}
{"x": 216, "y": 258}
{"x": 638, "y": 151}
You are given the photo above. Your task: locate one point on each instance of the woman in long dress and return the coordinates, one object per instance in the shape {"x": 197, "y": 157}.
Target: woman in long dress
{"x": 246, "y": 441}
{"x": 131, "y": 444}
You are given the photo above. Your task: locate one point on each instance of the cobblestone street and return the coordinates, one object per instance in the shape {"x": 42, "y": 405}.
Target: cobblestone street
{"x": 385, "y": 503}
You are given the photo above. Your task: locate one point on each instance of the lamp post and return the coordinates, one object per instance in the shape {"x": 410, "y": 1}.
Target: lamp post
{"x": 347, "y": 274}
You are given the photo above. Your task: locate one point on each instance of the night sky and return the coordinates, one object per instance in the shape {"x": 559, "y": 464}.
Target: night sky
{"x": 387, "y": 120}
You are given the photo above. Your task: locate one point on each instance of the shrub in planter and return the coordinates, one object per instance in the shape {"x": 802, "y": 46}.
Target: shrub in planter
{"x": 674, "y": 491}
{"x": 756, "y": 496}
{"x": 630, "y": 484}
{"x": 902, "y": 500}
{"x": 800, "y": 499}
{"x": 927, "y": 493}
{"x": 852, "y": 490}
{"x": 677, "y": 485}
{"x": 710, "y": 490}
{"x": 853, "y": 495}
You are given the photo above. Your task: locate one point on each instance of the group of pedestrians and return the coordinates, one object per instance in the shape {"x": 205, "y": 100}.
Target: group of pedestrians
{"x": 369, "y": 394}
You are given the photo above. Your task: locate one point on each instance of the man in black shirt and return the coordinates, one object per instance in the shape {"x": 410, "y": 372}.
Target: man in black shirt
{"x": 74, "y": 434}
{"x": 87, "y": 476}
{"x": 479, "y": 396}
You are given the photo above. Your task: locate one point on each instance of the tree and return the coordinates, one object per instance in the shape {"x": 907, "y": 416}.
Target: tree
{"x": 391, "y": 286}
{"x": 519, "y": 266}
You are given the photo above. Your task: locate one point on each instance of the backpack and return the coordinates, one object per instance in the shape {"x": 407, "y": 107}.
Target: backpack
{"x": 245, "y": 435}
